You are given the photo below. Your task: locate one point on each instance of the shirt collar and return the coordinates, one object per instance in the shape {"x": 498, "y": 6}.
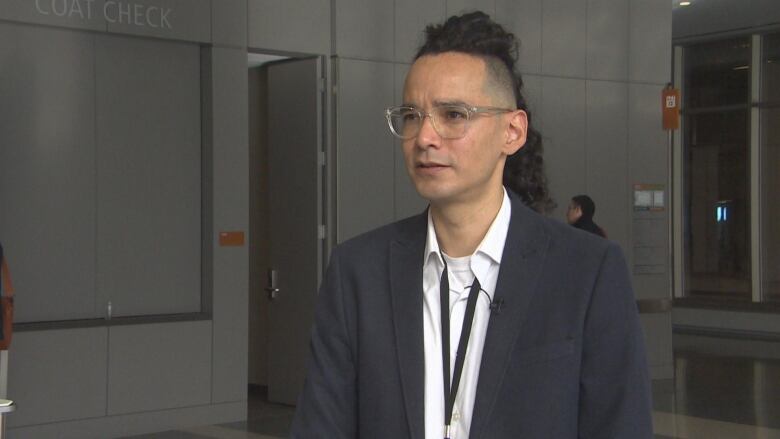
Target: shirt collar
{"x": 492, "y": 244}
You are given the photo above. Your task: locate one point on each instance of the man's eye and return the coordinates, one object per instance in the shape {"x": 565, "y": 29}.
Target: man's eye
{"x": 455, "y": 114}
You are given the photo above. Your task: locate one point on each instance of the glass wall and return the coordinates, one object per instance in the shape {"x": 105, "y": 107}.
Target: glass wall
{"x": 770, "y": 172}
{"x": 717, "y": 169}
{"x": 730, "y": 88}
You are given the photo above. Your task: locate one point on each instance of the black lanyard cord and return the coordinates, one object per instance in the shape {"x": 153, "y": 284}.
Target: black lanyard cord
{"x": 460, "y": 356}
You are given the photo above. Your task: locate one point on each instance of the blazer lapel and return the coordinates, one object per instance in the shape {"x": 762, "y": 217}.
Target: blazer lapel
{"x": 522, "y": 261}
{"x": 406, "y": 264}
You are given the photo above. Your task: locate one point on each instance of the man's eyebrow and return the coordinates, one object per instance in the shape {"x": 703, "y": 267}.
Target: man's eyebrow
{"x": 438, "y": 103}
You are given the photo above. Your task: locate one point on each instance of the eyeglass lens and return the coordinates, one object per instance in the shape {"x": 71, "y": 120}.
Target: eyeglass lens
{"x": 449, "y": 121}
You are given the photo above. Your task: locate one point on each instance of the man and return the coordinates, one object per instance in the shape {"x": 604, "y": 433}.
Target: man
{"x": 580, "y": 215}
{"x": 538, "y": 335}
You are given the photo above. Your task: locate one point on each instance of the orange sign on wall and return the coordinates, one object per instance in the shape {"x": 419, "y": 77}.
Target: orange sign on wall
{"x": 670, "y": 101}
{"x": 231, "y": 239}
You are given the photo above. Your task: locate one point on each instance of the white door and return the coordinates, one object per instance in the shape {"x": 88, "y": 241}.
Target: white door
{"x": 295, "y": 140}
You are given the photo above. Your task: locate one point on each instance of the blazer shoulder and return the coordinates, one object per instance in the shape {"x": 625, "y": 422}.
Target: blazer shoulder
{"x": 411, "y": 229}
{"x": 561, "y": 236}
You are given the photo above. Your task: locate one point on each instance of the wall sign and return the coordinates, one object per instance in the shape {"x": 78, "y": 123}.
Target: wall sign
{"x": 670, "y": 99}
{"x": 112, "y": 11}
{"x": 649, "y": 197}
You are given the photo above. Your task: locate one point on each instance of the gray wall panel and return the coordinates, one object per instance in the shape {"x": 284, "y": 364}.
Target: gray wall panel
{"x": 411, "y": 17}
{"x": 564, "y": 37}
{"x": 58, "y": 375}
{"x": 158, "y": 366}
{"x": 524, "y": 19}
{"x": 230, "y": 211}
{"x": 365, "y": 156}
{"x": 532, "y": 92}
{"x": 563, "y": 109}
{"x": 229, "y": 23}
{"x": 647, "y": 141}
{"x": 650, "y": 36}
{"x": 364, "y": 29}
{"x": 608, "y": 39}
{"x": 607, "y": 155}
{"x": 455, "y": 7}
{"x": 47, "y": 170}
{"x": 148, "y": 132}
{"x": 292, "y": 25}
{"x": 407, "y": 201}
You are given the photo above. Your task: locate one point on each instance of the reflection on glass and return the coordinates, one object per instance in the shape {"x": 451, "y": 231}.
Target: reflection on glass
{"x": 717, "y": 73}
{"x": 717, "y": 205}
{"x": 770, "y": 70}
{"x": 770, "y": 161}
{"x": 770, "y": 208}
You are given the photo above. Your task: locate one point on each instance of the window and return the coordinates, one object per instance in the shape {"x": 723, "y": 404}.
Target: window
{"x": 769, "y": 124}
{"x": 730, "y": 156}
{"x": 716, "y": 171}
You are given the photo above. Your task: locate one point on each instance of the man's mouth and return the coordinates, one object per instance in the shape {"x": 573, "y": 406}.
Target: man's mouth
{"x": 430, "y": 165}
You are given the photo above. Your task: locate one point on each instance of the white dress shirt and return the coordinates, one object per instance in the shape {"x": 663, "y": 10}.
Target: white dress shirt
{"x": 483, "y": 264}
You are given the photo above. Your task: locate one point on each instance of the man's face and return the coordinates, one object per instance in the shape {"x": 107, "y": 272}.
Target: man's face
{"x": 573, "y": 213}
{"x": 466, "y": 169}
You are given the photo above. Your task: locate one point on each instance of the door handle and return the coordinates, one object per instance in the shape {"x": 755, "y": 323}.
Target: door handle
{"x": 272, "y": 289}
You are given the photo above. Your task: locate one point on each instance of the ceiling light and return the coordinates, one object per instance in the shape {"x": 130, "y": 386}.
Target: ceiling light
{"x": 685, "y": 3}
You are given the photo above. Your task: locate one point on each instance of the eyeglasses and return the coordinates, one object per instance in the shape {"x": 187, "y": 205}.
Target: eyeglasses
{"x": 450, "y": 121}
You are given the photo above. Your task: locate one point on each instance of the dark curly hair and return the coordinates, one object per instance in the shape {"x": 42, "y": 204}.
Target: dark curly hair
{"x": 476, "y": 34}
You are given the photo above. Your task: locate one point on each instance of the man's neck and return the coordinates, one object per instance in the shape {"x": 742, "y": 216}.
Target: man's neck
{"x": 460, "y": 227}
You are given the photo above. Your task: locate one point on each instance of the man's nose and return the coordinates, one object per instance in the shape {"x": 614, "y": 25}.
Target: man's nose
{"x": 427, "y": 136}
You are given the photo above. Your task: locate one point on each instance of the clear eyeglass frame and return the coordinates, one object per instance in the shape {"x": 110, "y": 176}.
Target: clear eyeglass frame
{"x": 450, "y": 121}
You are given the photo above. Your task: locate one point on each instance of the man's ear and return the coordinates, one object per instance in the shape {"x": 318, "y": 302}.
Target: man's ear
{"x": 516, "y": 132}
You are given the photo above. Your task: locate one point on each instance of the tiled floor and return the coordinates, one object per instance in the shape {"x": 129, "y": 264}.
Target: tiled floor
{"x": 733, "y": 394}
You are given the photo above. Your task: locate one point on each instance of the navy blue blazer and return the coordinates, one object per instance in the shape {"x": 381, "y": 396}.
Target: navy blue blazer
{"x": 564, "y": 358}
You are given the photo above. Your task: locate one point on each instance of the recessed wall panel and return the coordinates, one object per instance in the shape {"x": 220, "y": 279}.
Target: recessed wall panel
{"x": 149, "y": 190}
{"x": 564, "y": 38}
{"x": 650, "y": 34}
{"x": 158, "y": 366}
{"x": 608, "y": 39}
{"x": 524, "y": 19}
{"x": 364, "y": 29}
{"x": 607, "y": 155}
{"x": 647, "y": 140}
{"x": 57, "y": 375}
{"x": 290, "y": 25}
{"x": 365, "y": 155}
{"x": 47, "y": 170}
{"x": 411, "y": 18}
{"x": 563, "y": 115}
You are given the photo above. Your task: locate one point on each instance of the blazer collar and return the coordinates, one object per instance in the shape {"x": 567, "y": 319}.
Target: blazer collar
{"x": 523, "y": 259}
{"x": 406, "y": 269}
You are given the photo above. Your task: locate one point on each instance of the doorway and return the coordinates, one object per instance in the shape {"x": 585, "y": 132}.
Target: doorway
{"x": 287, "y": 221}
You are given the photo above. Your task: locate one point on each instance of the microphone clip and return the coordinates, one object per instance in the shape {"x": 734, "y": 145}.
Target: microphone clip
{"x": 495, "y": 306}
